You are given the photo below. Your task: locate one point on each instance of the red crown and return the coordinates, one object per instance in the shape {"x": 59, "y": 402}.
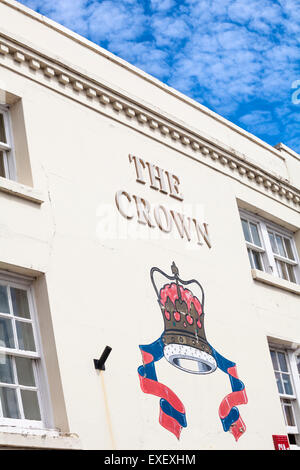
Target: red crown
{"x": 181, "y": 306}
{"x": 183, "y": 313}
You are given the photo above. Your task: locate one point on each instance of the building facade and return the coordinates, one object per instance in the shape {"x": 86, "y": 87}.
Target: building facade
{"x": 129, "y": 213}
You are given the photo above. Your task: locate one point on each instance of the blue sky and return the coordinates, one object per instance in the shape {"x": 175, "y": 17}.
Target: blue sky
{"x": 239, "y": 58}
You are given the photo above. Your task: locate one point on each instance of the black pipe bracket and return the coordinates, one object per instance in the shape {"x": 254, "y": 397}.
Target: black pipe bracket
{"x": 100, "y": 363}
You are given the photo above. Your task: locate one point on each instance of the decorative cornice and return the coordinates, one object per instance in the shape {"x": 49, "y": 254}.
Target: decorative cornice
{"x": 172, "y": 133}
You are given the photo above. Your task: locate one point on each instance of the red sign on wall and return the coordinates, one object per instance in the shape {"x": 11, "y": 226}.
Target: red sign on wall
{"x": 281, "y": 443}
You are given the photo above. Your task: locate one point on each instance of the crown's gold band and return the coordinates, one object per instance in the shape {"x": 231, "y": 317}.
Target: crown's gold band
{"x": 195, "y": 342}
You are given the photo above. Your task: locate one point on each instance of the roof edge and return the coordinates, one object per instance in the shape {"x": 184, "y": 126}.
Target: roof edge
{"x": 280, "y": 146}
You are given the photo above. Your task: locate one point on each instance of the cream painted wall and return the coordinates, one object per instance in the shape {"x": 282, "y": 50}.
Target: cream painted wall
{"x": 99, "y": 287}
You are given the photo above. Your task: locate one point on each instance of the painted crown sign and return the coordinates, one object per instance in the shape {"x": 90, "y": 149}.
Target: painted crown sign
{"x": 184, "y": 345}
{"x": 184, "y": 338}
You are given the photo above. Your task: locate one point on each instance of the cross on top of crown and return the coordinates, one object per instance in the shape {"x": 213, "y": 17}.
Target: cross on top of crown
{"x": 175, "y": 270}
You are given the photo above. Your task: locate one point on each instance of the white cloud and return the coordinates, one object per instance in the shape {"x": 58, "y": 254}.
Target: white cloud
{"x": 260, "y": 121}
{"x": 109, "y": 20}
{"x": 167, "y": 30}
{"x": 162, "y": 5}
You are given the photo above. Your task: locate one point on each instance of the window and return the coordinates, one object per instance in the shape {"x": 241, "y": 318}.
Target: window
{"x": 271, "y": 248}
{"x": 20, "y": 358}
{"x": 283, "y": 254}
{"x": 287, "y": 381}
{"x": 254, "y": 244}
{"x": 7, "y": 167}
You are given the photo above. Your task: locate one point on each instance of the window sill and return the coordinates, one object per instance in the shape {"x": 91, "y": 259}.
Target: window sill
{"x": 275, "y": 281}
{"x": 26, "y": 439}
{"x": 20, "y": 190}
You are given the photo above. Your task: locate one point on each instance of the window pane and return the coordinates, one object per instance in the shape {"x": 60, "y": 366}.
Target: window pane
{"x": 282, "y": 362}
{"x": 274, "y": 360}
{"x": 282, "y": 270}
{"x": 2, "y": 166}
{"x": 4, "y": 307}
{"x": 289, "y": 415}
{"x": 298, "y": 363}
{"x": 279, "y": 383}
{"x": 25, "y": 371}
{"x": 287, "y": 384}
{"x": 273, "y": 243}
{"x": 6, "y": 333}
{"x": 31, "y": 405}
{"x": 250, "y": 258}
{"x": 6, "y": 369}
{"x": 288, "y": 248}
{"x": 280, "y": 246}
{"x": 291, "y": 273}
{"x": 9, "y": 403}
{"x": 25, "y": 336}
{"x": 257, "y": 260}
{"x": 20, "y": 302}
{"x": 2, "y": 130}
{"x": 255, "y": 235}
{"x": 246, "y": 230}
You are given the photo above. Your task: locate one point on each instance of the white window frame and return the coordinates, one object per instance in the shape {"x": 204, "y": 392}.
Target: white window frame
{"x": 277, "y": 257}
{"x": 269, "y": 258}
{"x": 7, "y": 147}
{"x": 261, "y": 250}
{"x": 42, "y": 389}
{"x": 295, "y": 384}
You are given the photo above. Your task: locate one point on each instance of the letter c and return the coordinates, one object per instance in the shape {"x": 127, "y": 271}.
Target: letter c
{"x": 119, "y": 203}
